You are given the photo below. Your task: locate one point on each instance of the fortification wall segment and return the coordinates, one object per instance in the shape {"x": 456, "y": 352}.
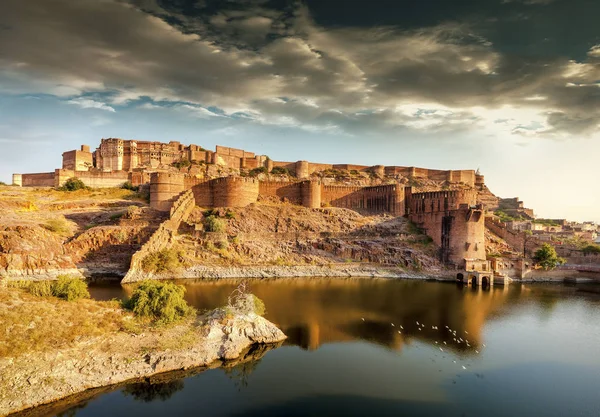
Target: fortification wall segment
{"x": 377, "y": 199}
{"x": 235, "y": 191}
{"x": 311, "y": 194}
{"x": 163, "y": 188}
{"x": 292, "y": 191}
{"x": 43, "y": 179}
{"x": 459, "y": 233}
{"x": 302, "y": 170}
{"x": 17, "y": 179}
{"x": 516, "y": 240}
{"x": 436, "y": 201}
{"x": 94, "y": 179}
{"x": 78, "y": 160}
{"x": 163, "y": 236}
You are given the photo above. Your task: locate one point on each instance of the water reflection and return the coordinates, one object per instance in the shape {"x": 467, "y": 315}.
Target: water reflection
{"x": 313, "y": 312}
{"x": 541, "y": 355}
{"x": 148, "y": 391}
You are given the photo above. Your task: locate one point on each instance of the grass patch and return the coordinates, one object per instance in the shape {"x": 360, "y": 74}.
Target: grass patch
{"x": 59, "y": 225}
{"x": 66, "y": 287}
{"x": 31, "y": 324}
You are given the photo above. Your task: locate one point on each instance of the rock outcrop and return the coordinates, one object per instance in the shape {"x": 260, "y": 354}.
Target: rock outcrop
{"x": 35, "y": 379}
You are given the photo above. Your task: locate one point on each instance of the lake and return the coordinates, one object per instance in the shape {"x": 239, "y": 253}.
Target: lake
{"x": 376, "y": 347}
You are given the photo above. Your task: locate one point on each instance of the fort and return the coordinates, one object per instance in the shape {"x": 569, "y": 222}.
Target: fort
{"x": 452, "y": 215}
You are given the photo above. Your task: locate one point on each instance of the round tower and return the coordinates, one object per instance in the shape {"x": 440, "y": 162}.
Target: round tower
{"x": 311, "y": 194}
{"x": 235, "y": 192}
{"x": 164, "y": 187}
{"x": 302, "y": 169}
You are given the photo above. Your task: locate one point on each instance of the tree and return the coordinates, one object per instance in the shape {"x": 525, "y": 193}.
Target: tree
{"x": 547, "y": 258}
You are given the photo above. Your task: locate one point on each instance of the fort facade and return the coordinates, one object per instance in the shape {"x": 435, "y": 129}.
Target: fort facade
{"x": 452, "y": 218}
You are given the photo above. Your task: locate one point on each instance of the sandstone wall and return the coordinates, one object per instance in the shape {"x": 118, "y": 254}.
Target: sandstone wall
{"x": 292, "y": 191}
{"x": 377, "y": 199}
{"x": 45, "y": 179}
{"x": 163, "y": 188}
{"x": 235, "y": 191}
{"x": 163, "y": 236}
{"x": 515, "y": 239}
{"x": 435, "y": 201}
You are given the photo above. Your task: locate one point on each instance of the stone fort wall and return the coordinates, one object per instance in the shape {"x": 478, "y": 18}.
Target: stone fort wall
{"x": 453, "y": 220}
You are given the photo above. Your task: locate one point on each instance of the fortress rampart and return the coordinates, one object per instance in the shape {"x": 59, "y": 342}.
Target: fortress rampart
{"x": 454, "y": 222}
{"x": 451, "y": 218}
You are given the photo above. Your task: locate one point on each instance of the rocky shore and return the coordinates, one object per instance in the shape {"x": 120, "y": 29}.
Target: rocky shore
{"x": 333, "y": 271}
{"x": 34, "y": 379}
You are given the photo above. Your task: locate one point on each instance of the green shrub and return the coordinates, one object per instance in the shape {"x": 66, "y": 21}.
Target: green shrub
{"x": 161, "y": 302}
{"x": 165, "y": 260}
{"x": 591, "y": 249}
{"x": 256, "y": 171}
{"x": 73, "y": 184}
{"x": 129, "y": 186}
{"x": 280, "y": 171}
{"x": 70, "y": 288}
{"x": 222, "y": 244}
{"x": 230, "y": 214}
{"x": 37, "y": 288}
{"x": 2, "y": 183}
{"x": 214, "y": 224}
{"x": 116, "y": 216}
{"x": 184, "y": 163}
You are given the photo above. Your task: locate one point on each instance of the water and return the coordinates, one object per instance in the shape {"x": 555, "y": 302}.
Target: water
{"x": 534, "y": 351}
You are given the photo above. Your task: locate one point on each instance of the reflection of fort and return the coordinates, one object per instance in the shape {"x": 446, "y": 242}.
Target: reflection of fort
{"x": 314, "y": 312}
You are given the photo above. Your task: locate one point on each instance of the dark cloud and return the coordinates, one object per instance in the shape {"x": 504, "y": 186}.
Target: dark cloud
{"x": 293, "y": 64}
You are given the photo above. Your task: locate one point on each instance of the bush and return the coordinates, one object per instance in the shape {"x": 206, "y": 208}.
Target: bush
{"x": 280, "y": 171}
{"x": 161, "y": 302}
{"x": 2, "y": 183}
{"x": 256, "y": 171}
{"x": 242, "y": 301}
{"x": 165, "y": 260}
{"x": 58, "y": 225}
{"x": 591, "y": 249}
{"x": 129, "y": 186}
{"x": 37, "y": 288}
{"x": 184, "y": 163}
{"x": 214, "y": 224}
{"x": 73, "y": 184}
{"x": 70, "y": 288}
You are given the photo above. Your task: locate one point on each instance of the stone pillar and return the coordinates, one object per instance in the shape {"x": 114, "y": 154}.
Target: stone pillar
{"x": 17, "y": 179}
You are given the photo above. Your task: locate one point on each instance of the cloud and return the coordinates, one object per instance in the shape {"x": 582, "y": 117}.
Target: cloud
{"x": 86, "y": 103}
{"x": 280, "y": 67}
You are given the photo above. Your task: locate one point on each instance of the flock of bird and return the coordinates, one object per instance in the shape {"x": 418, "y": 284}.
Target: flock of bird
{"x": 456, "y": 338}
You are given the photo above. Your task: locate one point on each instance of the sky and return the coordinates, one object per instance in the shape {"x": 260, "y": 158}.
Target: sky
{"x": 510, "y": 87}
